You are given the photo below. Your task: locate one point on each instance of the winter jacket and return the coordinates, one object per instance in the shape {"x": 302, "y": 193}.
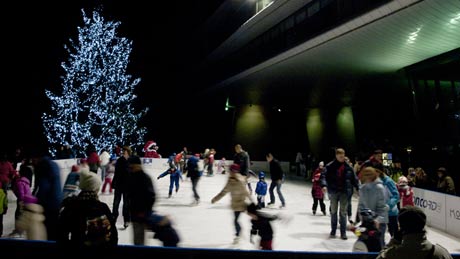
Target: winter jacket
{"x": 446, "y": 185}
{"x": 414, "y": 245}
{"x": 406, "y": 194}
{"x": 141, "y": 194}
{"x": 21, "y": 188}
{"x": 276, "y": 172}
{"x": 261, "y": 188}
{"x": 330, "y": 177}
{"x": 76, "y": 217}
{"x": 243, "y": 160}
{"x": 192, "y": 167}
{"x": 316, "y": 190}
{"x": 391, "y": 195}
{"x": 236, "y": 185}
{"x": 372, "y": 196}
{"x": 262, "y": 225}
{"x": 71, "y": 185}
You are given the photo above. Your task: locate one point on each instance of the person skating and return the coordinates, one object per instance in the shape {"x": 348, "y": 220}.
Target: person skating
{"x": 277, "y": 176}
{"x": 316, "y": 191}
{"x": 174, "y": 176}
{"x": 236, "y": 186}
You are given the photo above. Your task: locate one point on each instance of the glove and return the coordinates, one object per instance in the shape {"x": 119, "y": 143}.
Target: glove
{"x": 158, "y": 178}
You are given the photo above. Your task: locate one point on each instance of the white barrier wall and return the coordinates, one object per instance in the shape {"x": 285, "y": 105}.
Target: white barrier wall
{"x": 442, "y": 210}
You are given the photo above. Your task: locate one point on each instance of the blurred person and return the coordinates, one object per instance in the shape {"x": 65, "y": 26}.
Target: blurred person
{"x": 406, "y": 193}
{"x": 31, "y": 220}
{"x": 221, "y": 166}
{"x": 422, "y": 180}
{"x": 141, "y": 195}
{"x": 84, "y": 220}
{"x": 3, "y": 206}
{"x": 236, "y": 186}
{"x": 334, "y": 179}
{"x": 22, "y": 191}
{"x": 445, "y": 184}
{"x": 316, "y": 190}
{"x": 299, "y": 160}
{"x": 352, "y": 184}
{"x": 194, "y": 173}
{"x": 241, "y": 158}
{"x": 48, "y": 190}
{"x": 277, "y": 176}
{"x": 372, "y": 197}
{"x": 120, "y": 184}
{"x": 411, "y": 176}
{"x": 392, "y": 200}
{"x": 72, "y": 182}
{"x": 93, "y": 159}
{"x": 396, "y": 170}
{"x": 104, "y": 158}
{"x": 7, "y": 171}
{"x": 410, "y": 241}
{"x": 109, "y": 173}
{"x": 261, "y": 226}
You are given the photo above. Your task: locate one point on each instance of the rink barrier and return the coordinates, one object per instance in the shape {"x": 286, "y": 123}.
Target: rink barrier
{"x": 17, "y": 248}
{"x": 442, "y": 210}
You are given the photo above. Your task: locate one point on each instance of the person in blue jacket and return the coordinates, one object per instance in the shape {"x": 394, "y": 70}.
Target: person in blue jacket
{"x": 261, "y": 190}
{"x": 174, "y": 176}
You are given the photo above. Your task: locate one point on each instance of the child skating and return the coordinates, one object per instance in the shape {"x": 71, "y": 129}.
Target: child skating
{"x": 174, "y": 176}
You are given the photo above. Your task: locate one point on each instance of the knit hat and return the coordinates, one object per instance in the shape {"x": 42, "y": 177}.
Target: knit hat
{"x": 89, "y": 181}
{"x": 235, "y": 168}
{"x": 321, "y": 163}
{"x": 411, "y": 219}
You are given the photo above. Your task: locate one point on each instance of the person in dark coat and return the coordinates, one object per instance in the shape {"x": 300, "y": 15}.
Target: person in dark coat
{"x": 48, "y": 191}
{"x": 334, "y": 180}
{"x": 142, "y": 196}
{"x": 277, "y": 176}
{"x": 194, "y": 173}
{"x": 411, "y": 241}
{"x": 261, "y": 224}
{"x": 120, "y": 184}
{"x": 84, "y": 220}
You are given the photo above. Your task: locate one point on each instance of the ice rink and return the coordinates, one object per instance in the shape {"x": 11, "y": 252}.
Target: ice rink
{"x": 211, "y": 225}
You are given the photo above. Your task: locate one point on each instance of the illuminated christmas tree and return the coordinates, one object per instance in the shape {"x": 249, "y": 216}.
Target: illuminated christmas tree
{"x": 96, "y": 106}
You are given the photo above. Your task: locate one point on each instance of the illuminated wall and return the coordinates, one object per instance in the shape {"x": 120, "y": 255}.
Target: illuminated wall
{"x": 315, "y": 130}
{"x": 346, "y": 128}
{"x": 251, "y": 129}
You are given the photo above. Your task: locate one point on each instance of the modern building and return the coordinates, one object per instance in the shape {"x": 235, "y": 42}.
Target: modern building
{"x": 310, "y": 75}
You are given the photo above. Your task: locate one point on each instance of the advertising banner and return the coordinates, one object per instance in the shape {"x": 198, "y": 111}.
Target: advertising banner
{"x": 453, "y": 215}
{"x": 434, "y": 206}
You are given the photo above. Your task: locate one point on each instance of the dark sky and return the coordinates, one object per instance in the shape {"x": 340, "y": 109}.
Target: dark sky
{"x": 34, "y": 34}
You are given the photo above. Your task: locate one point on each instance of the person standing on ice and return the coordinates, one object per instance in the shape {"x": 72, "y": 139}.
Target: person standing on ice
{"x": 236, "y": 186}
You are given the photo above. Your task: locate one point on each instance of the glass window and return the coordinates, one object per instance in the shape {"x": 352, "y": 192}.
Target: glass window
{"x": 314, "y": 8}
{"x": 300, "y": 16}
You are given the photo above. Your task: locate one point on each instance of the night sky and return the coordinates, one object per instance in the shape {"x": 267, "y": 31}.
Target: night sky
{"x": 163, "y": 34}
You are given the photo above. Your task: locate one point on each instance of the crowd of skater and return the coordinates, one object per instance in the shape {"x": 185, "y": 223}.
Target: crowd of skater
{"x": 74, "y": 215}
